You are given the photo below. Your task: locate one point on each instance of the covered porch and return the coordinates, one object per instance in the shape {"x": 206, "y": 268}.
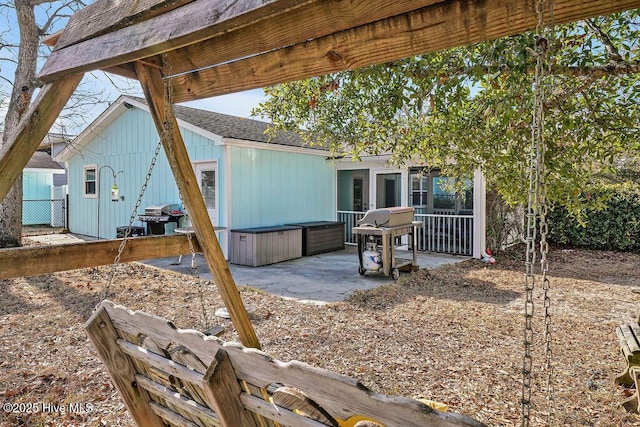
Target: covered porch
{"x": 451, "y": 219}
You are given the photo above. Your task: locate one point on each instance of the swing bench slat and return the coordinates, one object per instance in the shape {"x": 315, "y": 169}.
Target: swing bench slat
{"x": 629, "y": 339}
{"x": 167, "y": 375}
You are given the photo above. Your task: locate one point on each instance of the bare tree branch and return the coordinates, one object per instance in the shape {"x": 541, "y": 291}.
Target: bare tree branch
{"x": 612, "y": 51}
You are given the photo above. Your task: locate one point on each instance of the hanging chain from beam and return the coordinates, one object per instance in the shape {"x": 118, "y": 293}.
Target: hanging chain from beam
{"x": 544, "y": 226}
{"x": 537, "y": 212}
{"x": 134, "y": 213}
{"x": 168, "y": 105}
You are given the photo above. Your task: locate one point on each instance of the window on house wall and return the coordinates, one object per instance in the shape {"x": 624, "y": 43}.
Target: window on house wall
{"x": 90, "y": 181}
{"x": 431, "y": 193}
{"x": 419, "y": 196}
{"x": 466, "y": 202}
{"x": 444, "y": 195}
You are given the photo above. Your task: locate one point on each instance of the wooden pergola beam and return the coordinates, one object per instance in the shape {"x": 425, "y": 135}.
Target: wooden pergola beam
{"x": 32, "y": 261}
{"x": 32, "y": 129}
{"x": 167, "y": 125}
{"x": 110, "y": 15}
{"x": 193, "y": 40}
{"x": 195, "y": 21}
{"x": 302, "y": 24}
{"x": 441, "y": 26}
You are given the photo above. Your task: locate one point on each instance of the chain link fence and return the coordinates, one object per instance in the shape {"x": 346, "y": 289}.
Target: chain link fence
{"x": 50, "y": 212}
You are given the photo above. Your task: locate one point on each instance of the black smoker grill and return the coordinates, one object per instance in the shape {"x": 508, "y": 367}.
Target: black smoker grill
{"x": 385, "y": 227}
{"x": 157, "y": 216}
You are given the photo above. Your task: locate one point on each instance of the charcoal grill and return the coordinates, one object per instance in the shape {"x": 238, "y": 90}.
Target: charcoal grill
{"x": 385, "y": 227}
{"x": 157, "y": 216}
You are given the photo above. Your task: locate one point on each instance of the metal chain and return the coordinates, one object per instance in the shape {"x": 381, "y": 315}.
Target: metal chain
{"x": 537, "y": 210}
{"x": 544, "y": 245}
{"x": 168, "y": 89}
{"x": 134, "y": 213}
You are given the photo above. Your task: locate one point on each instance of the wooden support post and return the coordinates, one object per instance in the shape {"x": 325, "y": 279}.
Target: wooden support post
{"x": 33, "y": 128}
{"x": 162, "y": 112}
{"x": 223, "y": 392}
{"x": 104, "y": 337}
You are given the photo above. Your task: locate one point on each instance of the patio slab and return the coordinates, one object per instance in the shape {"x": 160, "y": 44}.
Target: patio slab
{"x": 323, "y": 278}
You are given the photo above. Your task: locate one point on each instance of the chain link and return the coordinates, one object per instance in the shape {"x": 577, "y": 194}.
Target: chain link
{"x": 537, "y": 211}
{"x": 544, "y": 245}
{"x": 168, "y": 89}
{"x": 166, "y": 131}
{"x": 132, "y": 218}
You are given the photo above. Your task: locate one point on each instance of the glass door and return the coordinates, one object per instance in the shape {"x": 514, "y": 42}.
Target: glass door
{"x": 207, "y": 175}
{"x": 388, "y": 190}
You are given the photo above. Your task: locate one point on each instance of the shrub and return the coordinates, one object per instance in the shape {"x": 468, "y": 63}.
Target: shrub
{"x": 614, "y": 227}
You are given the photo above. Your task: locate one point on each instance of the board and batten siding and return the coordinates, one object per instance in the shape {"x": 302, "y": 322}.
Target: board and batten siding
{"x": 127, "y": 144}
{"x": 36, "y": 185}
{"x": 271, "y": 187}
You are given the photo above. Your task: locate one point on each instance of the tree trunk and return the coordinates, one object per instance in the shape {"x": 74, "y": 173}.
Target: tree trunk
{"x": 11, "y": 217}
{"x": 24, "y": 84}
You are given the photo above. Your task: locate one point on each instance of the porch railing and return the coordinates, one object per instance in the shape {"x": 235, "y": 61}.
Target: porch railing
{"x": 349, "y": 218}
{"x": 452, "y": 234}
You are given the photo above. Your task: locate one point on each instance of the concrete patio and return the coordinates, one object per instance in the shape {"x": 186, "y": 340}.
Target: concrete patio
{"x": 323, "y": 278}
{"x": 327, "y": 277}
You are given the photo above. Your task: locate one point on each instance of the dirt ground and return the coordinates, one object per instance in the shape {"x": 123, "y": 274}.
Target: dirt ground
{"x": 453, "y": 335}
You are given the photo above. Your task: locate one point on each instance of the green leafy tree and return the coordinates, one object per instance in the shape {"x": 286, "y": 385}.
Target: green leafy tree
{"x": 471, "y": 107}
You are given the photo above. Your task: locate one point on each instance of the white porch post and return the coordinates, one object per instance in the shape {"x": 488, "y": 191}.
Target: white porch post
{"x": 479, "y": 214}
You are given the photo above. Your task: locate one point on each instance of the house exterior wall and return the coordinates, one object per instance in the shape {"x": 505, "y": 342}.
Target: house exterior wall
{"x": 256, "y": 186}
{"x": 36, "y": 185}
{"x": 276, "y": 187}
{"x": 126, "y": 145}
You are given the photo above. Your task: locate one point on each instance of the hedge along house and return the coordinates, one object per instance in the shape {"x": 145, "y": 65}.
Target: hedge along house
{"x": 247, "y": 179}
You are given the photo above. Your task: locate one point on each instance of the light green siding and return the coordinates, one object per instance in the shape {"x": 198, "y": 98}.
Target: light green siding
{"x": 36, "y": 185}
{"x": 126, "y": 145}
{"x": 36, "y": 195}
{"x": 274, "y": 187}
{"x": 261, "y": 186}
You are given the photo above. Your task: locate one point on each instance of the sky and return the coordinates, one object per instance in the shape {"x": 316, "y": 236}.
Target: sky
{"x": 238, "y": 104}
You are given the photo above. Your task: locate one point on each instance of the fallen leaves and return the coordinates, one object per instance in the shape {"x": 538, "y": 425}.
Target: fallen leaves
{"x": 452, "y": 335}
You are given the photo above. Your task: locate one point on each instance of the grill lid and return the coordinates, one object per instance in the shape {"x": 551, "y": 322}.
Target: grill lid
{"x": 158, "y": 210}
{"x": 388, "y": 217}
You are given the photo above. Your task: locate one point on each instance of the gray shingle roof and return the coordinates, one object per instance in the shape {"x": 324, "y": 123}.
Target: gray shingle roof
{"x": 233, "y": 127}
{"x": 42, "y": 160}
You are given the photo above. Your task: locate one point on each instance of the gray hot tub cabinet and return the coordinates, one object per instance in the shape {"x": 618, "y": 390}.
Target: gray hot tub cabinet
{"x": 265, "y": 245}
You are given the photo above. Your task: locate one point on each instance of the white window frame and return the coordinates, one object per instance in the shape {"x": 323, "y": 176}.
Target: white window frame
{"x": 85, "y": 169}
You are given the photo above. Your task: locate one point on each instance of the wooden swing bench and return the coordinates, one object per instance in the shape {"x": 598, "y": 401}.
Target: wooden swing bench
{"x": 168, "y": 376}
{"x": 629, "y": 338}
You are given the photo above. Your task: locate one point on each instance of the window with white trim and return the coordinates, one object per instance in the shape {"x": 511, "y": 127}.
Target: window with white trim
{"x": 90, "y": 181}
{"x": 431, "y": 193}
